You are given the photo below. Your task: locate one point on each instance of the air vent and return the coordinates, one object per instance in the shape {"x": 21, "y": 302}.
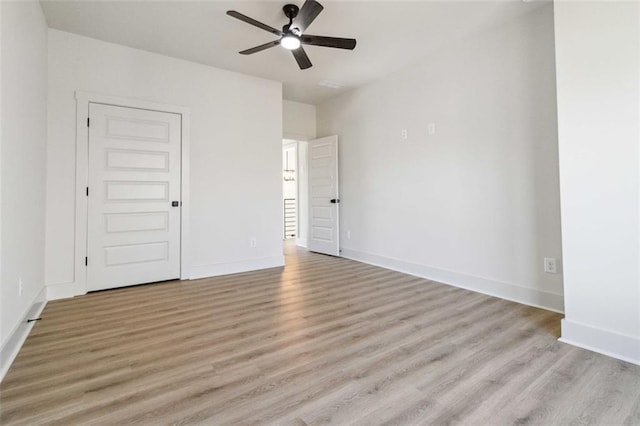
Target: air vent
{"x": 330, "y": 84}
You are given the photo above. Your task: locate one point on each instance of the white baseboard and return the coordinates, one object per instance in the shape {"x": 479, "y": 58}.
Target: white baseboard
{"x": 62, "y": 291}
{"x": 216, "y": 269}
{"x": 302, "y": 242}
{"x": 12, "y": 346}
{"x": 528, "y": 296}
{"x": 66, "y": 290}
{"x": 610, "y": 343}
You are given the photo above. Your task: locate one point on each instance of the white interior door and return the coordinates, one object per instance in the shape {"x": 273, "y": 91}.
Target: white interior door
{"x": 134, "y": 196}
{"x": 323, "y": 196}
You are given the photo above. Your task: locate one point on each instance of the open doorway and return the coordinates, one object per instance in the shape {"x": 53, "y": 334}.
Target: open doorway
{"x": 290, "y": 189}
{"x": 294, "y": 192}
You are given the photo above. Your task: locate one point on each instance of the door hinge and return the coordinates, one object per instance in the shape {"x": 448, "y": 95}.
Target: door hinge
{"x": 87, "y": 191}
{"x": 88, "y": 120}
{"x": 86, "y": 261}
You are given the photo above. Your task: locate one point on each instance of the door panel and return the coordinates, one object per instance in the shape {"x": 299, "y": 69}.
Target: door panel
{"x": 323, "y": 187}
{"x": 134, "y": 175}
{"x": 142, "y": 161}
{"x": 132, "y": 222}
{"x": 137, "y": 192}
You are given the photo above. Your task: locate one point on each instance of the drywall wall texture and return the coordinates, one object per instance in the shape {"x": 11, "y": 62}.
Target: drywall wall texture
{"x": 598, "y": 72}
{"x": 477, "y": 203}
{"x": 24, "y": 134}
{"x": 299, "y": 120}
{"x": 236, "y": 150}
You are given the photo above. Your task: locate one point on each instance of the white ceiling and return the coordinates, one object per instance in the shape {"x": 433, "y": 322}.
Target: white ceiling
{"x": 391, "y": 35}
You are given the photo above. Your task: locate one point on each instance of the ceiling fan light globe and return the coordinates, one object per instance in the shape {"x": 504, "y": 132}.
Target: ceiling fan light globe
{"x": 290, "y": 42}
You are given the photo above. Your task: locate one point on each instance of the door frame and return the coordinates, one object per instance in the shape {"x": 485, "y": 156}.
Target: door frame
{"x": 301, "y": 171}
{"x": 83, "y": 99}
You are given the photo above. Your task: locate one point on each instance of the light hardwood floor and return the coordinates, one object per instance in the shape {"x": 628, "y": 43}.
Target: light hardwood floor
{"x": 324, "y": 340}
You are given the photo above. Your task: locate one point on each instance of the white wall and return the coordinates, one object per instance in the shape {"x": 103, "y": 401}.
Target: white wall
{"x": 597, "y": 54}
{"x": 23, "y": 162}
{"x": 477, "y": 204}
{"x": 299, "y": 120}
{"x": 236, "y": 145}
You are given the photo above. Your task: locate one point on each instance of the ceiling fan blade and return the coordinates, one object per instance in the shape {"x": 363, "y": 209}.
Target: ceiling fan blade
{"x": 301, "y": 58}
{"x": 339, "y": 43}
{"x": 260, "y": 48}
{"x": 309, "y": 11}
{"x": 253, "y": 22}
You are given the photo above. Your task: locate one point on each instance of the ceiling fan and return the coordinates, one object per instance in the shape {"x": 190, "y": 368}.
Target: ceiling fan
{"x": 292, "y": 36}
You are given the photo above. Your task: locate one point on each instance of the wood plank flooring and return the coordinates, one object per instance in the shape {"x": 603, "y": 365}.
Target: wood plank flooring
{"x": 322, "y": 341}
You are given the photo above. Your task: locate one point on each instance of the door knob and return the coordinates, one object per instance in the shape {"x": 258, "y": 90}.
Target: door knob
{"x": 335, "y": 201}
{"x": 175, "y": 204}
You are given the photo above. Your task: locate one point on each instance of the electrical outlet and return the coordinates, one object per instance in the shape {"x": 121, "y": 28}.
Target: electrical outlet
{"x": 404, "y": 134}
{"x": 550, "y": 265}
{"x": 431, "y": 129}
{"x": 253, "y": 242}
{"x": 348, "y": 235}
{"x": 19, "y": 286}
